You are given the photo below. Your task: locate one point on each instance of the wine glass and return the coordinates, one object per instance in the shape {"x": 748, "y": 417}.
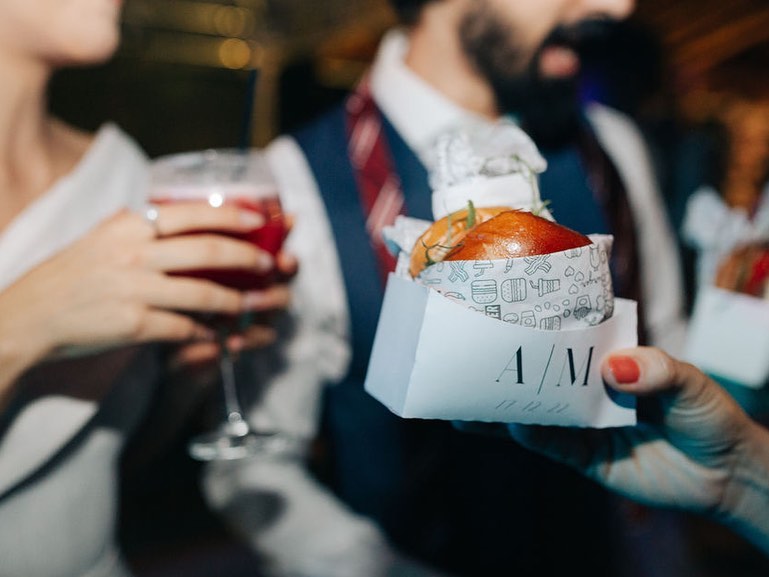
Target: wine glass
{"x": 226, "y": 177}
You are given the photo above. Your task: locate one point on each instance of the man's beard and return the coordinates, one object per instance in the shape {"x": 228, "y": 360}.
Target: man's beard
{"x": 548, "y": 109}
{"x": 550, "y": 113}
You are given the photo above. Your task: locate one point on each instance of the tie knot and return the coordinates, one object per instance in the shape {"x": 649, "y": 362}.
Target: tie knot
{"x": 360, "y": 102}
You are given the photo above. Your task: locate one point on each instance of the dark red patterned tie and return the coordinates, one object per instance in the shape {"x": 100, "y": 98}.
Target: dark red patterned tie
{"x": 378, "y": 184}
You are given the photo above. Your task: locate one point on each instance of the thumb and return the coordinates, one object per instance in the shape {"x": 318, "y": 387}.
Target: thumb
{"x": 694, "y": 405}
{"x": 644, "y": 371}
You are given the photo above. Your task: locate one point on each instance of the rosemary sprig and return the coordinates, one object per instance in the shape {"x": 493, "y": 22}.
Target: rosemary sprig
{"x": 470, "y": 221}
{"x": 470, "y": 214}
{"x": 538, "y": 208}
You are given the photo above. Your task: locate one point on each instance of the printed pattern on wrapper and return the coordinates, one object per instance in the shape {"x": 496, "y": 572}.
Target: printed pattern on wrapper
{"x": 565, "y": 290}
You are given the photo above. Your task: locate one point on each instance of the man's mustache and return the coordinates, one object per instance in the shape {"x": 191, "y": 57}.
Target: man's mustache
{"x": 576, "y": 35}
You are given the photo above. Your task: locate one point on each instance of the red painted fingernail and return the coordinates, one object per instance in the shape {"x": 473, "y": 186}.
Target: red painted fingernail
{"x": 624, "y": 369}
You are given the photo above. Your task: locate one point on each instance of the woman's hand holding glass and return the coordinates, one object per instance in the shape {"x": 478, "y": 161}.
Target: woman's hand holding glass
{"x": 228, "y": 178}
{"x": 115, "y": 285}
{"x": 198, "y": 356}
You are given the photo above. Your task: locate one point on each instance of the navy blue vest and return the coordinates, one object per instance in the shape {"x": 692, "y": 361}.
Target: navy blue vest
{"x": 325, "y": 144}
{"x": 360, "y": 427}
{"x": 441, "y": 495}
{"x": 565, "y": 185}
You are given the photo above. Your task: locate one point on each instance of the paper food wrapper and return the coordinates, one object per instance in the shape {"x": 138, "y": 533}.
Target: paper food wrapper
{"x": 490, "y": 165}
{"x": 515, "y": 340}
{"x": 435, "y": 359}
{"x": 728, "y": 336}
{"x": 565, "y": 290}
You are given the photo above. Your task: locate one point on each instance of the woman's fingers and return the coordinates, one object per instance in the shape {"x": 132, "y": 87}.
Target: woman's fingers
{"x": 697, "y": 412}
{"x": 135, "y": 251}
{"x": 205, "y": 251}
{"x": 184, "y": 217}
{"x": 162, "y": 325}
{"x": 253, "y": 337}
{"x": 275, "y": 297}
{"x": 111, "y": 287}
{"x": 289, "y": 220}
{"x": 203, "y": 355}
{"x": 286, "y": 264}
{"x": 199, "y": 355}
{"x": 646, "y": 371}
{"x": 187, "y": 294}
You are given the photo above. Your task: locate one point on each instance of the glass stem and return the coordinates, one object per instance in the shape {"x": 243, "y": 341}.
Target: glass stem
{"x": 236, "y": 424}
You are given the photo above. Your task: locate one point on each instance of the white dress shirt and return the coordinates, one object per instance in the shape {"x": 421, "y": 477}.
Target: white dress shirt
{"x": 418, "y": 111}
{"x": 662, "y": 281}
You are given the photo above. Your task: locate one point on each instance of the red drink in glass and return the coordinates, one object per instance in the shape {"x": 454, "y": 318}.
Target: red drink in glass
{"x": 269, "y": 237}
{"x": 226, "y": 177}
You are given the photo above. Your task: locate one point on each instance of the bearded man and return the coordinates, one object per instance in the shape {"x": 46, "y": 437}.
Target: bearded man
{"x": 467, "y": 505}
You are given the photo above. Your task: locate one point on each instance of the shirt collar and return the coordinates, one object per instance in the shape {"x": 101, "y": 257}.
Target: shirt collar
{"x": 418, "y": 111}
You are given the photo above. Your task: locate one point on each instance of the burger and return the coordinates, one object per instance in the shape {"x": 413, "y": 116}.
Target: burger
{"x": 516, "y": 266}
{"x": 745, "y": 270}
{"x": 491, "y": 233}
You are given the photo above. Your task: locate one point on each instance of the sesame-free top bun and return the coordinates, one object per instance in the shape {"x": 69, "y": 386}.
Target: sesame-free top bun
{"x": 446, "y": 234}
{"x": 513, "y": 234}
{"x": 495, "y": 233}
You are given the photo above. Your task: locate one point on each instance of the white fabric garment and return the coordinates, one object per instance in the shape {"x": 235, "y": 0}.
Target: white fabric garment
{"x": 662, "y": 283}
{"x": 318, "y": 351}
{"x": 418, "y": 111}
{"x": 58, "y": 485}
{"x": 110, "y": 176}
{"x": 715, "y": 229}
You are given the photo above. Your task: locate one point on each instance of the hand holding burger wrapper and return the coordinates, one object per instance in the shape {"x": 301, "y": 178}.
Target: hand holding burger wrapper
{"x": 545, "y": 292}
{"x": 496, "y": 248}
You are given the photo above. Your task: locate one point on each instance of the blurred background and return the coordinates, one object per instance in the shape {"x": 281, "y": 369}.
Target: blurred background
{"x": 193, "y": 74}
